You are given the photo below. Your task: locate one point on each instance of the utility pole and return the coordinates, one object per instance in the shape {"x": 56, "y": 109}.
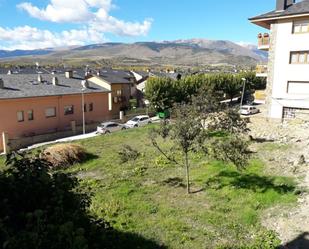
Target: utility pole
{"x": 83, "y": 110}
{"x": 243, "y": 91}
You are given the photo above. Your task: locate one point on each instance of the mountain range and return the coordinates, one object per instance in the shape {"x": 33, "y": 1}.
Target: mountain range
{"x": 179, "y": 52}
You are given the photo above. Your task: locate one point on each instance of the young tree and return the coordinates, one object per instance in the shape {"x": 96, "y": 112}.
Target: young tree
{"x": 192, "y": 128}
{"x": 186, "y": 133}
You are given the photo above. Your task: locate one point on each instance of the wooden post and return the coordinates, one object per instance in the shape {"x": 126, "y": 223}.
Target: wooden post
{"x": 5, "y": 140}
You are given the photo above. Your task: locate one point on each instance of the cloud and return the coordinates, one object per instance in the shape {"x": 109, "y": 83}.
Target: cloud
{"x": 94, "y": 13}
{"x": 27, "y": 38}
{"x": 91, "y": 18}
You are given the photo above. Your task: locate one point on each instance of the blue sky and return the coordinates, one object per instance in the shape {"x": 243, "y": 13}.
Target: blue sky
{"x": 33, "y": 24}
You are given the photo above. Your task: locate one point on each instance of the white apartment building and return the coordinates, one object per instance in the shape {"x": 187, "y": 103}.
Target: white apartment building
{"x": 288, "y": 64}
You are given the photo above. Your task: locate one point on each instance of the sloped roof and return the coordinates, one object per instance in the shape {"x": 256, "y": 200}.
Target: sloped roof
{"x": 294, "y": 9}
{"x": 114, "y": 76}
{"x": 26, "y": 86}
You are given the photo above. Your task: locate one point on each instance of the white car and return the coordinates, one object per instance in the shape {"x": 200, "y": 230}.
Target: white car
{"x": 138, "y": 121}
{"x": 248, "y": 110}
{"x": 109, "y": 127}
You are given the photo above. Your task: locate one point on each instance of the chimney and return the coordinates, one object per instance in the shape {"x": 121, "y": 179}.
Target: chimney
{"x": 69, "y": 74}
{"x": 40, "y": 80}
{"x": 85, "y": 84}
{"x": 1, "y": 84}
{"x": 55, "y": 81}
{"x": 284, "y": 4}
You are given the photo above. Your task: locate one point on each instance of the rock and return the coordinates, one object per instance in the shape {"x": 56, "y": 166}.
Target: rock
{"x": 301, "y": 160}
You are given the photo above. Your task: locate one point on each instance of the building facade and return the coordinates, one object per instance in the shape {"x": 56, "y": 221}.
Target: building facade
{"x": 33, "y": 105}
{"x": 120, "y": 83}
{"x": 288, "y": 65}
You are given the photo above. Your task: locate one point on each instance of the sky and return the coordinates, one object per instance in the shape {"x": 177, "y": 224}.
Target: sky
{"x": 35, "y": 24}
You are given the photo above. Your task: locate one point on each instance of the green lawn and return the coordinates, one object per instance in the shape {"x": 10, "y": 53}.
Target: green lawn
{"x": 149, "y": 198}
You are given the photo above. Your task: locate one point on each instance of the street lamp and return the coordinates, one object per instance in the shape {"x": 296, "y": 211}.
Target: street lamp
{"x": 243, "y": 90}
{"x": 83, "y": 108}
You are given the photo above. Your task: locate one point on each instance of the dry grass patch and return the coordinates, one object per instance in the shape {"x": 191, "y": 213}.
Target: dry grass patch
{"x": 64, "y": 155}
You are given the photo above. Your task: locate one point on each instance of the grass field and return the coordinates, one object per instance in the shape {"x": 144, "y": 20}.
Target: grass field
{"x": 148, "y": 197}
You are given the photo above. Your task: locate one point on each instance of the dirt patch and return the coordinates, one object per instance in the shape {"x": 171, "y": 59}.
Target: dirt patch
{"x": 285, "y": 150}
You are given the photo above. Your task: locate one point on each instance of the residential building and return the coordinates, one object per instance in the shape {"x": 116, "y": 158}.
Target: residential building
{"x": 141, "y": 78}
{"x": 121, "y": 85}
{"x": 36, "y": 104}
{"x": 288, "y": 65}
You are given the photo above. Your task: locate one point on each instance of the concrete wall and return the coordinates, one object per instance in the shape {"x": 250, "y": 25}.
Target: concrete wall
{"x": 24, "y": 142}
{"x": 279, "y": 61}
{"x": 42, "y": 125}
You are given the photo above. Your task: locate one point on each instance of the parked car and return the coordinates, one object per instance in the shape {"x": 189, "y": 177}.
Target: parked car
{"x": 109, "y": 127}
{"x": 248, "y": 110}
{"x": 138, "y": 121}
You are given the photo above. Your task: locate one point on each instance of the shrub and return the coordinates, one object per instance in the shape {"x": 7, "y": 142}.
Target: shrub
{"x": 232, "y": 149}
{"x": 40, "y": 209}
{"x": 64, "y": 155}
{"x": 127, "y": 153}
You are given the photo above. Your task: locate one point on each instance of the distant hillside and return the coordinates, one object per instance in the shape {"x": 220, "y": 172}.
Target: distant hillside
{"x": 180, "y": 52}
{"x": 17, "y": 53}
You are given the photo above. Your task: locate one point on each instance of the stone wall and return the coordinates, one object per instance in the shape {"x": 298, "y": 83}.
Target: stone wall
{"x": 271, "y": 67}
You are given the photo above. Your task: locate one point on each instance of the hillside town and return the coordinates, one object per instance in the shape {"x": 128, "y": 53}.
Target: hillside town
{"x": 161, "y": 150}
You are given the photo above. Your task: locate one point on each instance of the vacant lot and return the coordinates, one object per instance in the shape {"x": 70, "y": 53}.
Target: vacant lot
{"x": 148, "y": 196}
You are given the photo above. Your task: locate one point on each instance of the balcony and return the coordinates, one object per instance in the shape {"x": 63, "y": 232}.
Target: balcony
{"x": 263, "y": 41}
{"x": 261, "y": 71}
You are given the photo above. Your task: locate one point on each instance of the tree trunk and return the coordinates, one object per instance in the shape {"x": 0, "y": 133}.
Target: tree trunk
{"x": 187, "y": 172}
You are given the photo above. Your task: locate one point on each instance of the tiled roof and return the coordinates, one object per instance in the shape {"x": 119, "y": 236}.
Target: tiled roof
{"x": 296, "y": 8}
{"x": 114, "y": 76}
{"x": 78, "y": 72}
{"x": 27, "y": 85}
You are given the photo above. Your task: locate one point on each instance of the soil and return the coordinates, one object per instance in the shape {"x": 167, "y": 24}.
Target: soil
{"x": 284, "y": 147}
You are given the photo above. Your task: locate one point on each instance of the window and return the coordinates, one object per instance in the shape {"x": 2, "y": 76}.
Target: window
{"x": 20, "y": 116}
{"x": 119, "y": 92}
{"x": 299, "y": 57}
{"x": 112, "y": 125}
{"x": 294, "y": 58}
{"x": 302, "y": 58}
{"x": 50, "y": 112}
{"x": 69, "y": 110}
{"x": 298, "y": 87}
{"x": 301, "y": 27}
{"x": 30, "y": 115}
{"x": 85, "y": 107}
{"x": 91, "y": 107}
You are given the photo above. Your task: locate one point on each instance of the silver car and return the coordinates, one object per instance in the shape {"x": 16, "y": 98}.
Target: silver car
{"x": 109, "y": 127}
{"x": 248, "y": 110}
{"x": 138, "y": 121}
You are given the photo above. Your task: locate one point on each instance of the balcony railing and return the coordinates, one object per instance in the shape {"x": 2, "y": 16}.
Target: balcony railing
{"x": 261, "y": 71}
{"x": 263, "y": 41}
